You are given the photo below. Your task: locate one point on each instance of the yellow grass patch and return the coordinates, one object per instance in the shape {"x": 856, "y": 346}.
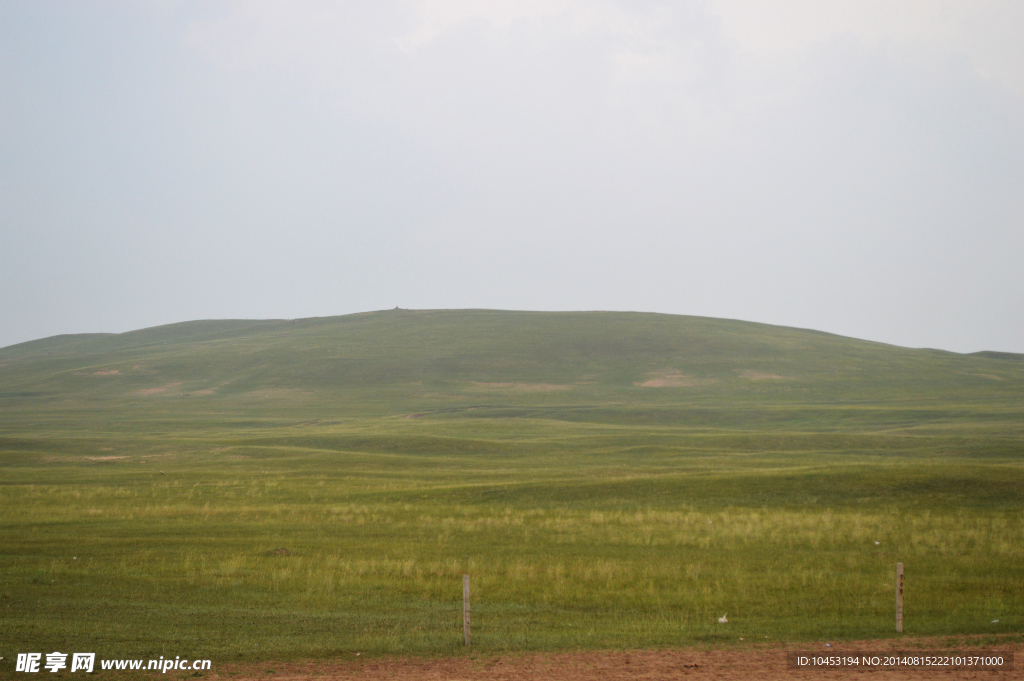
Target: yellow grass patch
{"x": 55, "y": 459}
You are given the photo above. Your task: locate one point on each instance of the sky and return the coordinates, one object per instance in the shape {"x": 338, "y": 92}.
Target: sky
{"x": 855, "y": 166}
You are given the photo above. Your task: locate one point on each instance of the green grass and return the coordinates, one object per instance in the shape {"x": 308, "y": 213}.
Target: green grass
{"x": 390, "y": 453}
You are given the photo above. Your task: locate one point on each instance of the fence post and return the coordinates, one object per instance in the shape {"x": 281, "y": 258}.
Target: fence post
{"x": 465, "y": 607}
{"x": 899, "y": 597}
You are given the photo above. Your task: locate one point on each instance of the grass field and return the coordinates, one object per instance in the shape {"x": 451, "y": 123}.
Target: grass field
{"x": 310, "y": 488}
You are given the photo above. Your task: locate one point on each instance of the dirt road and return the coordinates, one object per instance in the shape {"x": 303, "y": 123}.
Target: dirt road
{"x": 760, "y": 663}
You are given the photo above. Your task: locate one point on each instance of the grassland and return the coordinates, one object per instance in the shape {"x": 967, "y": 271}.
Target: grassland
{"x": 282, "y": 489}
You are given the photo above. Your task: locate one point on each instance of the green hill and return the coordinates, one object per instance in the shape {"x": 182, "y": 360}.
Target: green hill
{"x": 394, "y": 361}
{"x": 241, "y": 490}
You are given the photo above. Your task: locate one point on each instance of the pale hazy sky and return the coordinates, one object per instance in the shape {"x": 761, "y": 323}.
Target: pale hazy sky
{"x": 854, "y": 166}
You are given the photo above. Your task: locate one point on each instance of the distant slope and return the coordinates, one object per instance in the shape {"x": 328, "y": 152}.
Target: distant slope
{"x": 399, "y": 359}
{"x": 990, "y": 354}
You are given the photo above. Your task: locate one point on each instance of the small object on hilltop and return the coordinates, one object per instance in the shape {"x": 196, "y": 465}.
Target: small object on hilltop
{"x": 162, "y": 473}
{"x": 74, "y": 557}
{"x": 828, "y": 645}
{"x": 878, "y": 543}
{"x": 995, "y": 622}
{"x": 723, "y": 620}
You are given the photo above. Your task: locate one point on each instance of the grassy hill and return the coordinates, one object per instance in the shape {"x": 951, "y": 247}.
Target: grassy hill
{"x": 317, "y": 487}
{"x": 386, "y": 362}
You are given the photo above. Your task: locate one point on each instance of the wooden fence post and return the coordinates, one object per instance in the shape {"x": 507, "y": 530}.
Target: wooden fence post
{"x": 465, "y": 607}
{"x": 899, "y": 597}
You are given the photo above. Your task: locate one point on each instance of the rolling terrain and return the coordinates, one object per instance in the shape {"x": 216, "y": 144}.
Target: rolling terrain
{"x": 249, "y": 490}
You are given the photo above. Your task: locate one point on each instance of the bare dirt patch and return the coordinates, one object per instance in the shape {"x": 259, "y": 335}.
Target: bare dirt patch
{"x": 760, "y": 376}
{"x": 526, "y": 387}
{"x": 765, "y": 663}
{"x": 672, "y": 379}
{"x": 277, "y": 393}
{"x": 157, "y": 391}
